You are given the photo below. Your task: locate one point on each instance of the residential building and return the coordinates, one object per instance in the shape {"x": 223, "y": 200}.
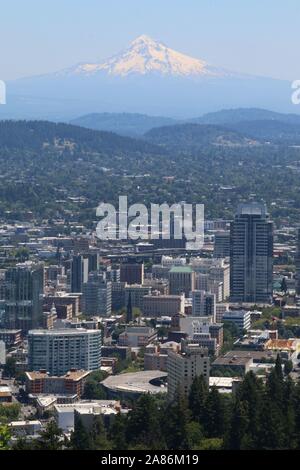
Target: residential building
{"x": 183, "y": 366}
{"x": 40, "y": 382}
{"x": 60, "y": 350}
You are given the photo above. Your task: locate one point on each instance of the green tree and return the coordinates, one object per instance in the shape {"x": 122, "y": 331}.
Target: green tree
{"x": 9, "y": 369}
{"x": 143, "y": 425}
{"x": 288, "y": 367}
{"x": 197, "y": 398}
{"x": 117, "y": 432}
{"x": 237, "y": 438}
{"x": 176, "y": 418}
{"x": 194, "y": 434}
{"x": 80, "y": 438}
{"x": 51, "y": 438}
{"x": 99, "y": 435}
{"x": 4, "y": 437}
{"x": 214, "y": 414}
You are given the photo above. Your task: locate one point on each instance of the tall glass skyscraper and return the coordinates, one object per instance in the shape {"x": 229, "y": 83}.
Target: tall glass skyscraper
{"x": 251, "y": 254}
{"x": 24, "y": 288}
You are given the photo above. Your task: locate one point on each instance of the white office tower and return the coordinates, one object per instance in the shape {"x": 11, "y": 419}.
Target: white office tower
{"x": 215, "y": 270}
{"x": 58, "y": 351}
{"x": 2, "y": 353}
{"x": 203, "y": 304}
{"x": 184, "y": 366}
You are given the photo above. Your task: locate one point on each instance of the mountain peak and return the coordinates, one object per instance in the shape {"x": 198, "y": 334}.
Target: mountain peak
{"x": 145, "y": 56}
{"x": 143, "y": 39}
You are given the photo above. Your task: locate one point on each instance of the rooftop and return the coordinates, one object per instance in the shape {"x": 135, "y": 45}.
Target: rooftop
{"x": 286, "y": 344}
{"x": 72, "y": 375}
{"x": 62, "y": 332}
{"x": 137, "y": 382}
{"x": 181, "y": 269}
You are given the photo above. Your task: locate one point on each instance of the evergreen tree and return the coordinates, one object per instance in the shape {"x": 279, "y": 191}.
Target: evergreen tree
{"x": 250, "y": 394}
{"x": 237, "y": 438}
{"x": 214, "y": 414}
{"x": 176, "y": 420}
{"x": 99, "y": 435}
{"x": 290, "y": 414}
{"x": 80, "y": 439}
{"x": 51, "y": 438}
{"x": 117, "y": 432}
{"x": 275, "y": 384}
{"x": 271, "y": 433}
{"x": 144, "y": 423}
{"x": 197, "y": 398}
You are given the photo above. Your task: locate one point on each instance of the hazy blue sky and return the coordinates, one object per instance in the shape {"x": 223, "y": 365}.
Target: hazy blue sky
{"x": 254, "y": 36}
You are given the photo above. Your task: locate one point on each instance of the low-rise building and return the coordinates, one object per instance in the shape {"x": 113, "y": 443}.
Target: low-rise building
{"x": 40, "y": 382}
{"x": 162, "y": 305}
{"x": 137, "y": 336}
{"x": 23, "y": 429}
{"x": 241, "y": 318}
{"x": 5, "y": 394}
{"x": 65, "y": 413}
{"x": 11, "y": 337}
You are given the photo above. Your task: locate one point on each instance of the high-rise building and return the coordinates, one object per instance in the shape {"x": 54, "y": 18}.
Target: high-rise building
{"x": 97, "y": 295}
{"x": 222, "y": 244}
{"x": 184, "y": 366}
{"x": 61, "y": 350}
{"x": 79, "y": 272}
{"x": 203, "y": 304}
{"x": 181, "y": 280}
{"x": 24, "y": 288}
{"x": 132, "y": 273}
{"x": 2, "y": 353}
{"x": 137, "y": 293}
{"x": 251, "y": 254}
{"x": 208, "y": 271}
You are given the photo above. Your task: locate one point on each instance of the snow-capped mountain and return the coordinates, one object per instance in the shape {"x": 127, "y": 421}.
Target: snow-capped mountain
{"x": 149, "y": 78}
{"x": 144, "y": 56}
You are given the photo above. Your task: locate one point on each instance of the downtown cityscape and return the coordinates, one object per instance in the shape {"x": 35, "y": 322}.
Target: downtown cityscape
{"x": 176, "y": 334}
